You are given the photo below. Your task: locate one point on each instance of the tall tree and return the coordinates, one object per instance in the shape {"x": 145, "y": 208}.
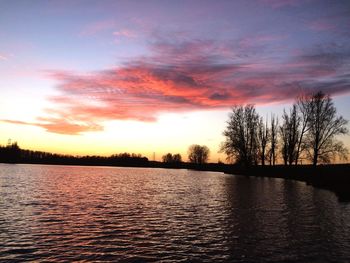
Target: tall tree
{"x": 241, "y": 143}
{"x": 323, "y": 126}
{"x": 283, "y": 130}
{"x": 263, "y": 139}
{"x": 273, "y": 140}
{"x": 289, "y": 131}
{"x": 198, "y": 154}
{"x": 304, "y": 118}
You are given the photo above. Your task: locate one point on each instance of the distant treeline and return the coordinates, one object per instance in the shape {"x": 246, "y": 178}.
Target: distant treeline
{"x": 12, "y": 153}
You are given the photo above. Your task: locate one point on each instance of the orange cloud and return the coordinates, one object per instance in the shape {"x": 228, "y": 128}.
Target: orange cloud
{"x": 60, "y": 126}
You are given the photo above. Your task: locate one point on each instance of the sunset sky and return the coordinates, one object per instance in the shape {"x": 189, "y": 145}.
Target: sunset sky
{"x": 103, "y": 77}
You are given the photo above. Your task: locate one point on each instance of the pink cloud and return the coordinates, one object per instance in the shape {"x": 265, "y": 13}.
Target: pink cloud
{"x": 60, "y": 126}
{"x": 3, "y": 57}
{"x": 259, "y": 40}
{"x": 321, "y": 25}
{"x": 97, "y": 27}
{"x": 282, "y": 3}
{"x": 125, "y": 33}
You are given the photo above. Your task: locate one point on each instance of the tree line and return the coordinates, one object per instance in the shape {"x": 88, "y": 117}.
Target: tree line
{"x": 307, "y": 131}
{"x": 12, "y": 153}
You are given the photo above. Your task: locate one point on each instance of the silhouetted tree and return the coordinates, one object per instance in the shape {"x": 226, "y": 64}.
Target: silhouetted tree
{"x": 177, "y": 158}
{"x": 289, "y": 131}
{"x": 241, "y": 143}
{"x": 167, "y": 158}
{"x": 283, "y": 131}
{"x": 304, "y": 115}
{"x": 11, "y": 153}
{"x": 273, "y": 140}
{"x": 323, "y": 126}
{"x": 198, "y": 154}
{"x": 263, "y": 140}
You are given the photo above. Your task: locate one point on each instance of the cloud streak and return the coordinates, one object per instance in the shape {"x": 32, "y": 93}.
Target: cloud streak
{"x": 3, "y": 57}
{"x": 282, "y": 3}
{"x": 125, "y": 33}
{"x": 60, "y": 126}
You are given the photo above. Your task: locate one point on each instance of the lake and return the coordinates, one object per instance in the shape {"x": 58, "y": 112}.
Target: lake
{"x": 74, "y": 213}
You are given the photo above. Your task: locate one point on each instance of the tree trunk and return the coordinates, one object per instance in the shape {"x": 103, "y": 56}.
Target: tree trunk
{"x": 314, "y": 162}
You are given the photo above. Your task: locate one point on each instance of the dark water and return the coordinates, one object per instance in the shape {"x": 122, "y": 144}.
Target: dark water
{"x": 65, "y": 213}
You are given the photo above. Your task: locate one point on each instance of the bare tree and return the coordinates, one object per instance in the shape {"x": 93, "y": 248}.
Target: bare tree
{"x": 241, "y": 135}
{"x": 273, "y": 140}
{"x": 263, "y": 139}
{"x": 289, "y": 131}
{"x": 304, "y": 119}
{"x": 293, "y": 130}
{"x": 323, "y": 126}
{"x": 198, "y": 154}
{"x": 283, "y": 130}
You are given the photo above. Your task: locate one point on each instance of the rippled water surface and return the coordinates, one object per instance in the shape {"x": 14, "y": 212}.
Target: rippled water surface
{"x": 71, "y": 213}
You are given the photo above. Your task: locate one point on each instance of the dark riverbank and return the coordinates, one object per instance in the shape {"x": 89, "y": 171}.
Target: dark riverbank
{"x": 334, "y": 177}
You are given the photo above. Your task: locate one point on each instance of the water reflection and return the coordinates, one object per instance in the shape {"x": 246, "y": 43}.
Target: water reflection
{"x": 126, "y": 214}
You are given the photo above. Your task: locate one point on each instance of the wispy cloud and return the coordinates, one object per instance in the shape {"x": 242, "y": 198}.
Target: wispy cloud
{"x": 60, "y": 126}
{"x": 97, "y": 27}
{"x": 282, "y": 3}
{"x": 321, "y": 25}
{"x": 125, "y": 33}
{"x": 336, "y": 23}
{"x": 3, "y": 57}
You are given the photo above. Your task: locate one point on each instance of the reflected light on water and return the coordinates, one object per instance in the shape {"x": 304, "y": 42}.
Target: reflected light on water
{"x": 67, "y": 213}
